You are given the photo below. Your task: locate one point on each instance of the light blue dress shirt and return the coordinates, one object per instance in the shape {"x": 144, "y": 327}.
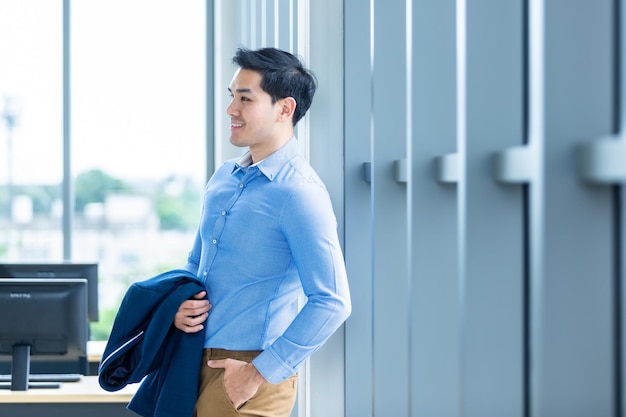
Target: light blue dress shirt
{"x": 267, "y": 236}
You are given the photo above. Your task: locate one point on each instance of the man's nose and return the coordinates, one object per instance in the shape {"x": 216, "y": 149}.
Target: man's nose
{"x": 231, "y": 109}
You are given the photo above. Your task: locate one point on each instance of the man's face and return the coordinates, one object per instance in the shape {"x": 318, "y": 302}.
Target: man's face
{"x": 253, "y": 117}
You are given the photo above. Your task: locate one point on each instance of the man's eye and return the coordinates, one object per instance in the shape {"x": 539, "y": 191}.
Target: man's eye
{"x": 245, "y": 99}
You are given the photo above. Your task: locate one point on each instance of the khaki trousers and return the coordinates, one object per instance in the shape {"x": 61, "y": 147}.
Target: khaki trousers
{"x": 271, "y": 400}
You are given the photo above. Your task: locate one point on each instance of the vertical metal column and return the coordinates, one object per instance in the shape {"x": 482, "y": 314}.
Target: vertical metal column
{"x": 358, "y": 214}
{"x": 68, "y": 186}
{"x": 389, "y": 207}
{"x": 620, "y": 280}
{"x": 211, "y": 90}
{"x": 326, "y": 154}
{"x": 283, "y": 33}
{"x": 602, "y": 162}
{"x": 491, "y": 234}
{"x": 432, "y": 212}
{"x": 572, "y": 224}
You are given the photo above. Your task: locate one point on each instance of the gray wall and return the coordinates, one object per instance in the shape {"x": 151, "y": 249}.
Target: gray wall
{"x": 489, "y": 283}
{"x": 475, "y": 155}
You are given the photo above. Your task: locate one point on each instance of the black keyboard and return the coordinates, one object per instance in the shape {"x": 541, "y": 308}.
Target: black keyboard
{"x": 46, "y": 377}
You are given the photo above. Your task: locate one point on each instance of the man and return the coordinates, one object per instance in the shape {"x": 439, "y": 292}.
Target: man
{"x": 267, "y": 235}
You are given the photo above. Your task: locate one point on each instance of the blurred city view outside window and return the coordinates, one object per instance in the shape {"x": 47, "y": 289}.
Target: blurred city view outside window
{"x": 137, "y": 136}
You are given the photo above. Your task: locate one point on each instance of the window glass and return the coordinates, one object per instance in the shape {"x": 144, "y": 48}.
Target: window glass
{"x": 138, "y": 138}
{"x": 31, "y": 129}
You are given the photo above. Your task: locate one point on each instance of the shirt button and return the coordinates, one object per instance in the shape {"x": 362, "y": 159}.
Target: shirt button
{"x": 223, "y": 212}
{"x": 205, "y": 273}
{"x": 241, "y": 185}
{"x": 214, "y": 241}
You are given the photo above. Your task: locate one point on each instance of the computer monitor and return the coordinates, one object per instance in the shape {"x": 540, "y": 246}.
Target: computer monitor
{"x": 42, "y": 319}
{"x": 88, "y": 271}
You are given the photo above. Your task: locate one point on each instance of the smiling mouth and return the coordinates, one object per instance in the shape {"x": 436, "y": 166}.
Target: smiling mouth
{"x": 235, "y": 125}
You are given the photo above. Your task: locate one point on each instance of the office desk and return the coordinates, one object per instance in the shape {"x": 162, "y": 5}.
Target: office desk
{"x": 95, "y": 349}
{"x": 84, "y": 398}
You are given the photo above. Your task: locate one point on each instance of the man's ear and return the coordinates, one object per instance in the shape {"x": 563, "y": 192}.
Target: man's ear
{"x": 287, "y": 108}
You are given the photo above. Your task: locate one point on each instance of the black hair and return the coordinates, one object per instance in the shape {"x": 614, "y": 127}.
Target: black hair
{"x": 282, "y": 75}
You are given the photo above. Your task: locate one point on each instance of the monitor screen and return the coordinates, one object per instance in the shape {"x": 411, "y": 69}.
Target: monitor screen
{"x": 88, "y": 271}
{"x": 42, "y": 319}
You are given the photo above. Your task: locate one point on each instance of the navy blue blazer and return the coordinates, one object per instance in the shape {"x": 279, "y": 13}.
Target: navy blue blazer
{"x": 145, "y": 345}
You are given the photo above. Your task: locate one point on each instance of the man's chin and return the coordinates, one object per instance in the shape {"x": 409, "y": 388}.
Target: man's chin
{"x": 237, "y": 142}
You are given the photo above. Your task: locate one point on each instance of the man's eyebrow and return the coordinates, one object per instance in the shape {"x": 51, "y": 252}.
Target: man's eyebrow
{"x": 241, "y": 90}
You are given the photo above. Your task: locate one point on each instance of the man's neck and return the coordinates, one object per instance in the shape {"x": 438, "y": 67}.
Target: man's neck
{"x": 260, "y": 153}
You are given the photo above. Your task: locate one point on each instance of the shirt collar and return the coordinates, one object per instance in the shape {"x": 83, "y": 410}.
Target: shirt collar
{"x": 273, "y": 163}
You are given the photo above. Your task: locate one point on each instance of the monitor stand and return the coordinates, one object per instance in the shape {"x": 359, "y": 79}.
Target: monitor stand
{"x": 20, "y": 367}
{"x": 20, "y": 372}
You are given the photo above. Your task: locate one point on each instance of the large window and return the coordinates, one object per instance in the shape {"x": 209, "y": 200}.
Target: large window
{"x": 136, "y": 135}
{"x": 31, "y": 132}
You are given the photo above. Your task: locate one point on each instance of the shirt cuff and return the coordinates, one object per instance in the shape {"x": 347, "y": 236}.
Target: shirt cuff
{"x": 273, "y": 369}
